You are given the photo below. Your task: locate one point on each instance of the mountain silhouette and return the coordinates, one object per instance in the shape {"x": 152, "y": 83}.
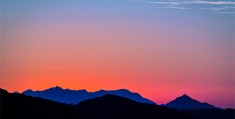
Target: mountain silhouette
{"x": 75, "y": 96}
{"x": 116, "y": 107}
{"x": 108, "y": 106}
{"x": 186, "y": 102}
{"x": 20, "y": 106}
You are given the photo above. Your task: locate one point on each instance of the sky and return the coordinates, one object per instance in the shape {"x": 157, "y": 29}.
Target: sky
{"x": 161, "y": 49}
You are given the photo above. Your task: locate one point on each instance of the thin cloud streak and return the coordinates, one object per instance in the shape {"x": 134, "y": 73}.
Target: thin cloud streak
{"x": 226, "y": 12}
{"x": 196, "y": 2}
{"x": 174, "y": 7}
{"x": 175, "y": 3}
{"x": 218, "y": 6}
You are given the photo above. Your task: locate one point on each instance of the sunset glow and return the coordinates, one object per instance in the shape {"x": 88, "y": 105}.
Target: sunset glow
{"x": 142, "y": 46}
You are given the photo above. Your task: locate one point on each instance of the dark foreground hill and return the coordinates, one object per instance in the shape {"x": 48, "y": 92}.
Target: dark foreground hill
{"x": 210, "y": 113}
{"x": 19, "y": 106}
{"x": 115, "y": 107}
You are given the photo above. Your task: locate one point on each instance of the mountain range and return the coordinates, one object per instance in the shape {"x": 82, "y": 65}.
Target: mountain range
{"x": 68, "y": 96}
{"x": 20, "y": 106}
{"x": 75, "y": 96}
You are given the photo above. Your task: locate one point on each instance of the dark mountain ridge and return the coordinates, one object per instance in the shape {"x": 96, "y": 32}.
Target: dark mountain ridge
{"x": 116, "y": 107}
{"x": 105, "y": 107}
{"x": 20, "y": 106}
{"x": 186, "y": 102}
{"x": 75, "y": 96}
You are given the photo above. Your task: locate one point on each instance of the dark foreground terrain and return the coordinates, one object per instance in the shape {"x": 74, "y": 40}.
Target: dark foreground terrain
{"x": 19, "y": 106}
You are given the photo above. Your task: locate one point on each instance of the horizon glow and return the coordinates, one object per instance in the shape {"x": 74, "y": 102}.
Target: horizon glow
{"x": 155, "y": 48}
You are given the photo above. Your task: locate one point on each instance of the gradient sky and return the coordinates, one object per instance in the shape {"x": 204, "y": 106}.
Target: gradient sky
{"x": 161, "y": 49}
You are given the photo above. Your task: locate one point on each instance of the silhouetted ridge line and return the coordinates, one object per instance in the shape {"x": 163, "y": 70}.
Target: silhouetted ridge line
{"x": 20, "y": 106}
{"x": 75, "y": 96}
{"x": 117, "y": 107}
{"x": 186, "y": 102}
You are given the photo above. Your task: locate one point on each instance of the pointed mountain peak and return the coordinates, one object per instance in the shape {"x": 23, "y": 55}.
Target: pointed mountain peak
{"x": 55, "y": 88}
{"x": 186, "y": 102}
{"x": 185, "y": 96}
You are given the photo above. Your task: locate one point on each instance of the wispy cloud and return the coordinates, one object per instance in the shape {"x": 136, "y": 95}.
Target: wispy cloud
{"x": 196, "y": 2}
{"x": 226, "y": 12}
{"x": 210, "y": 2}
{"x": 176, "y": 3}
{"x": 217, "y": 6}
{"x": 179, "y": 8}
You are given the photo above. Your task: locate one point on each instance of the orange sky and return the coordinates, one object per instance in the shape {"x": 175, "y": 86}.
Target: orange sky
{"x": 113, "y": 46}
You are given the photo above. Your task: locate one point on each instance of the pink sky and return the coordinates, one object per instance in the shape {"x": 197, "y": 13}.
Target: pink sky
{"x": 110, "y": 46}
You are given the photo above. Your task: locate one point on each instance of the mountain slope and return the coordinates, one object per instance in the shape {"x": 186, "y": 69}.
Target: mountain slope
{"x": 116, "y": 107}
{"x": 186, "y": 102}
{"x": 19, "y": 106}
{"x": 75, "y": 96}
